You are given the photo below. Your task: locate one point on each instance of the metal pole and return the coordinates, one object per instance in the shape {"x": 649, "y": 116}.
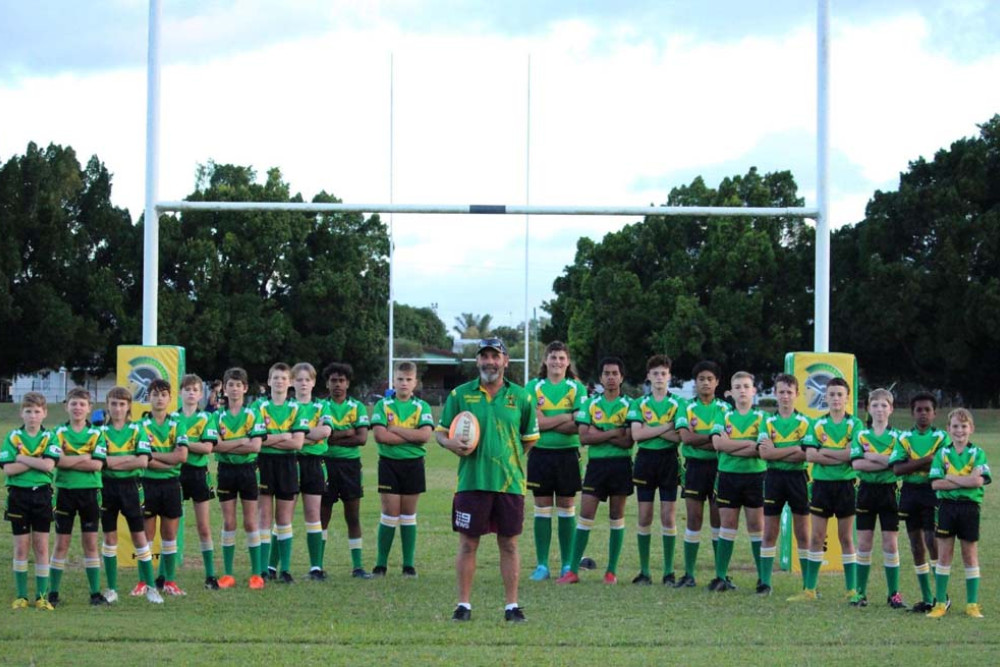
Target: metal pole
{"x": 527, "y": 224}
{"x": 151, "y": 219}
{"x": 392, "y": 239}
{"x": 821, "y": 315}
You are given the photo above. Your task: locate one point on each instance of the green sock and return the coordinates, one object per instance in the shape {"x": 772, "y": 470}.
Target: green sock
{"x": 615, "y": 541}
{"x": 161, "y": 570}
{"x": 543, "y": 538}
{"x": 863, "y": 571}
{"x": 567, "y": 530}
{"x": 272, "y": 555}
{"x": 408, "y": 538}
{"x": 386, "y": 534}
{"x": 579, "y": 547}
{"x": 715, "y": 547}
{"x": 812, "y": 573}
{"x": 255, "y": 559}
{"x": 314, "y": 544}
{"x": 755, "y": 550}
{"x": 21, "y": 583}
{"x": 723, "y": 554}
{"x": 208, "y": 560}
{"x": 356, "y": 561}
{"x": 41, "y": 585}
{"x": 146, "y": 572}
{"x": 926, "y": 594}
{"x": 285, "y": 554}
{"x": 669, "y": 544}
{"x": 55, "y": 578}
{"x": 643, "y": 540}
{"x": 766, "y": 568}
{"x": 972, "y": 590}
{"x": 169, "y": 563}
{"x": 941, "y": 581}
{"x": 803, "y": 562}
{"x": 94, "y": 579}
{"x": 851, "y": 576}
{"x": 322, "y": 546}
{"x": 111, "y": 571}
{"x": 690, "y": 557}
{"x": 892, "y": 579}
{"x": 228, "y": 556}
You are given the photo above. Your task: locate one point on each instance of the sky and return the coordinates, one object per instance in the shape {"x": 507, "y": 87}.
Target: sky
{"x": 460, "y": 102}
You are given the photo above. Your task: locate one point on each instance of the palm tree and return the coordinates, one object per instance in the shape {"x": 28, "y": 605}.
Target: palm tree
{"x": 469, "y": 325}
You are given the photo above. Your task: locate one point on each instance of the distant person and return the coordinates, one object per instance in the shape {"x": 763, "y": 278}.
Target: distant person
{"x": 214, "y": 399}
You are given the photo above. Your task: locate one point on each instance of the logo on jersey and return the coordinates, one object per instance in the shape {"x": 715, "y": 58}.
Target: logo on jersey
{"x": 541, "y": 401}
{"x": 598, "y": 415}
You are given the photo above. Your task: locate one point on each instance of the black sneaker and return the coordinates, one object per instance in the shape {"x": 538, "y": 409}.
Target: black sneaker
{"x": 462, "y": 614}
{"x": 642, "y": 579}
{"x": 53, "y": 598}
{"x": 515, "y": 615}
{"x": 921, "y": 607}
{"x": 211, "y": 583}
{"x": 97, "y": 600}
{"x": 160, "y": 581}
{"x": 729, "y": 584}
{"x": 317, "y": 575}
{"x": 717, "y": 584}
{"x": 360, "y": 573}
{"x": 270, "y": 574}
{"x": 410, "y": 571}
{"x": 669, "y": 579}
{"x": 686, "y": 581}
{"x": 285, "y": 578}
{"x": 378, "y": 571}
{"x": 763, "y": 590}
{"x": 587, "y": 563}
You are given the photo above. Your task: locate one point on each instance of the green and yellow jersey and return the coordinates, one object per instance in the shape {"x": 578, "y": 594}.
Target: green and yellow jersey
{"x": 788, "y": 431}
{"x": 949, "y": 461}
{"x": 164, "y": 439}
{"x": 200, "y": 426}
{"x": 828, "y": 434}
{"x": 313, "y": 414}
{"x": 916, "y": 444}
{"x": 41, "y": 445}
{"x": 700, "y": 418}
{"x": 553, "y": 399}
{"x": 605, "y": 414}
{"x": 737, "y": 426}
{"x": 129, "y": 440}
{"x": 866, "y": 440}
{"x": 651, "y": 412}
{"x": 277, "y": 419}
{"x": 245, "y": 423}
{"x": 411, "y": 413}
{"x": 343, "y": 416}
{"x": 87, "y": 440}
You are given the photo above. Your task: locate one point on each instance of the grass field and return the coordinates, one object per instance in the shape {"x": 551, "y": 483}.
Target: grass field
{"x": 405, "y": 621}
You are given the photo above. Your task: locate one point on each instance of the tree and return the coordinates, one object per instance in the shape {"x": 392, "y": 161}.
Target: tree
{"x": 421, "y": 325}
{"x": 472, "y": 326}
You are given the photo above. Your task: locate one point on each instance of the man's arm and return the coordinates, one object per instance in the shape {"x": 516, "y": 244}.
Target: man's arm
{"x": 643, "y": 432}
{"x": 923, "y": 464}
{"x": 453, "y": 445}
{"x": 417, "y": 436}
{"x": 742, "y": 448}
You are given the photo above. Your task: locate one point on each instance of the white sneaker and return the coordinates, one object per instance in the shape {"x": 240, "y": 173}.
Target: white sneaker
{"x": 153, "y": 595}
{"x": 111, "y": 595}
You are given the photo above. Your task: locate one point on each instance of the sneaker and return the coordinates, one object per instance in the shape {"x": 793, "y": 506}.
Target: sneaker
{"x": 763, "y": 590}
{"x": 939, "y": 610}
{"x": 974, "y": 610}
{"x": 669, "y": 579}
{"x": 716, "y": 584}
{"x": 285, "y": 578}
{"x": 379, "y": 571}
{"x": 588, "y": 563}
{"x": 565, "y": 568}
{"x": 731, "y": 586}
{"x": 171, "y": 588}
{"x": 686, "y": 581}
{"x": 850, "y": 595}
{"x": 858, "y": 600}
{"x": 97, "y": 600}
{"x": 225, "y": 581}
{"x": 111, "y": 595}
{"x": 43, "y": 604}
{"x": 807, "y": 595}
{"x": 461, "y": 614}
{"x": 515, "y": 615}
{"x": 409, "y": 571}
{"x": 270, "y": 574}
{"x": 896, "y": 601}
{"x": 139, "y": 590}
{"x": 642, "y": 580}
{"x": 570, "y": 577}
{"x": 54, "y": 598}
{"x": 921, "y": 607}
{"x": 361, "y": 573}
{"x": 20, "y": 603}
{"x": 160, "y": 581}
{"x": 317, "y": 575}
{"x": 610, "y": 578}
{"x": 541, "y": 573}
{"x": 256, "y": 582}
{"x": 212, "y": 584}
{"x": 153, "y": 595}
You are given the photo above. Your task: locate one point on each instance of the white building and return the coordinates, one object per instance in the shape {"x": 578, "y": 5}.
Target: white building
{"x": 55, "y": 384}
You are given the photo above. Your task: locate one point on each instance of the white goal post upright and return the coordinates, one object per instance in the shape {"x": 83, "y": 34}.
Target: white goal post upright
{"x": 819, "y": 213}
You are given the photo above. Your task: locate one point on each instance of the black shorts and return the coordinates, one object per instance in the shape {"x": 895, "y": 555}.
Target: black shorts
{"x": 608, "y": 477}
{"x": 786, "y": 486}
{"x": 956, "y": 518}
{"x": 877, "y": 501}
{"x": 656, "y": 470}
{"x": 918, "y": 506}
{"x": 29, "y": 509}
{"x": 279, "y": 476}
{"x": 699, "y": 478}
{"x": 554, "y": 471}
{"x": 122, "y": 496}
{"x": 237, "y": 479}
{"x": 343, "y": 480}
{"x": 832, "y": 498}
{"x": 312, "y": 475}
{"x": 476, "y": 513}
{"x": 73, "y": 502}
{"x": 196, "y": 484}
{"x": 734, "y": 490}
{"x": 163, "y": 498}
{"x": 402, "y": 477}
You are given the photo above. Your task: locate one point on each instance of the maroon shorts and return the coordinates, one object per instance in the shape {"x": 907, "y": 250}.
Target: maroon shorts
{"x": 476, "y": 513}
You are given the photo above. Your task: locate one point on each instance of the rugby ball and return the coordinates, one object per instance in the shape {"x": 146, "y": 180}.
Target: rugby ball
{"x": 465, "y": 427}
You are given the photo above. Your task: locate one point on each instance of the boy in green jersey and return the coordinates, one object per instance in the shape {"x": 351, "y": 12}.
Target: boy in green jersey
{"x": 279, "y": 475}
{"x": 28, "y": 456}
{"x": 128, "y": 454}
{"x": 740, "y": 480}
{"x": 349, "y": 423}
{"x": 828, "y": 448}
{"x": 240, "y": 431}
{"x": 701, "y": 463}
{"x": 652, "y": 420}
{"x": 785, "y": 480}
{"x": 78, "y": 492}
{"x": 554, "y": 461}
{"x": 403, "y": 424}
{"x": 871, "y": 451}
{"x": 168, "y": 445}
{"x": 958, "y": 474}
{"x": 609, "y": 468}
{"x": 911, "y": 460}
{"x": 202, "y": 431}
{"x": 314, "y": 422}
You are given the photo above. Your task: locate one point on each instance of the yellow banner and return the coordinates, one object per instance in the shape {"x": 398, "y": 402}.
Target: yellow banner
{"x": 138, "y": 365}
{"x": 126, "y": 548}
{"x": 813, "y": 370}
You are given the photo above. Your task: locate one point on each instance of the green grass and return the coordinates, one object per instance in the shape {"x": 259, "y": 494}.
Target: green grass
{"x": 347, "y": 621}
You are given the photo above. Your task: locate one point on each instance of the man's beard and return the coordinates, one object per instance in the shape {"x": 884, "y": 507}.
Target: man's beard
{"x": 489, "y": 376}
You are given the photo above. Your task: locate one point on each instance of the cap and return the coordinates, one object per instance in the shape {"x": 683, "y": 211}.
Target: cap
{"x": 492, "y": 344}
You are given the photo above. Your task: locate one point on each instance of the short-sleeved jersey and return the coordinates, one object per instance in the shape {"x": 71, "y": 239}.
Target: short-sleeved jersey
{"x": 915, "y": 444}
{"x": 129, "y": 440}
{"x": 200, "y": 426}
{"x": 246, "y": 423}
{"x": 701, "y": 418}
{"x": 41, "y": 445}
{"x": 949, "y": 461}
{"x": 827, "y": 434}
{"x": 605, "y": 414}
{"x": 88, "y": 440}
{"x": 311, "y": 415}
{"x": 788, "y": 431}
{"x": 553, "y": 399}
{"x": 651, "y": 412}
{"x": 164, "y": 439}
{"x": 411, "y": 413}
{"x": 343, "y": 416}
{"x": 277, "y": 419}
{"x": 738, "y": 426}
{"x": 866, "y": 440}
{"x": 507, "y": 422}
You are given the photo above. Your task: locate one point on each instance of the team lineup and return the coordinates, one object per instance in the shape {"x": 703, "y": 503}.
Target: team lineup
{"x": 734, "y": 459}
